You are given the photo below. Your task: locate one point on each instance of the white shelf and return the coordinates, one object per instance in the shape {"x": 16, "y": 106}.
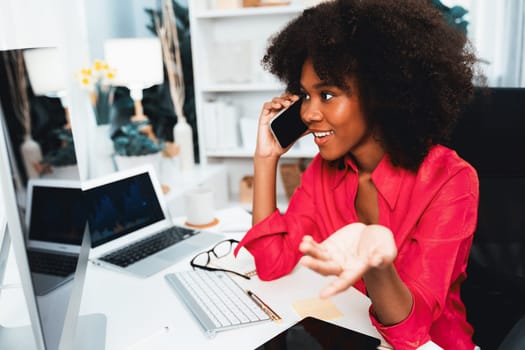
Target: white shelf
{"x": 250, "y": 11}
{"x": 248, "y": 87}
{"x": 216, "y": 72}
{"x": 245, "y": 153}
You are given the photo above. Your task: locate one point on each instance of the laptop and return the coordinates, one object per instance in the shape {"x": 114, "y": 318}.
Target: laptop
{"x": 55, "y": 219}
{"x": 130, "y": 226}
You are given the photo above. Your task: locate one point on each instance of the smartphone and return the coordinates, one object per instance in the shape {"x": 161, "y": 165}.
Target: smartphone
{"x": 314, "y": 334}
{"x": 287, "y": 126}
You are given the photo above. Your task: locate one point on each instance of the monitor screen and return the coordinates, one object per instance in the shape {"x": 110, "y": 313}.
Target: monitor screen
{"x": 57, "y": 215}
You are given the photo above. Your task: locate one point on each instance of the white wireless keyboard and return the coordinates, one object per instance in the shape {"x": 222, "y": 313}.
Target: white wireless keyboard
{"x": 216, "y": 301}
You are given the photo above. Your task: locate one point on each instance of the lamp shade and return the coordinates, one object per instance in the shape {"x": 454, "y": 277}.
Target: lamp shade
{"x": 137, "y": 61}
{"x": 45, "y": 70}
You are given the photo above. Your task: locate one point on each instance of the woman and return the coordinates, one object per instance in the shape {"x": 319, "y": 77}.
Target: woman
{"x": 384, "y": 206}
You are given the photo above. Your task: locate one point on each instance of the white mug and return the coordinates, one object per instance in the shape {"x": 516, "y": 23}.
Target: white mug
{"x": 200, "y": 209}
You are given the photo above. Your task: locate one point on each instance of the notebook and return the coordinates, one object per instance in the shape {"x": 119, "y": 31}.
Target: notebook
{"x": 55, "y": 219}
{"x": 130, "y": 227}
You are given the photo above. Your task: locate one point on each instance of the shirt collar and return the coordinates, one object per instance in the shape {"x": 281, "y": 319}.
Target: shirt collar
{"x": 388, "y": 179}
{"x": 345, "y": 165}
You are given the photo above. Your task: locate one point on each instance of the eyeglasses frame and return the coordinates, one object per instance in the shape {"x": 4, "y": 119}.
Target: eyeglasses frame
{"x": 209, "y": 268}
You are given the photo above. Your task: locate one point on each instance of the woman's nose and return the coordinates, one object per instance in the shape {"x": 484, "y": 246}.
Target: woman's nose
{"x": 310, "y": 114}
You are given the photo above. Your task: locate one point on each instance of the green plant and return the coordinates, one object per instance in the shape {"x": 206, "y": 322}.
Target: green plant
{"x": 65, "y": 154}
{"x": 453, "y": 15}
{"x": 130, "y": 141}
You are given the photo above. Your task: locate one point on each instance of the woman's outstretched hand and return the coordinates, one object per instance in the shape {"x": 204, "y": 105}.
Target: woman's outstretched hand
{"x": 348, "y": 254}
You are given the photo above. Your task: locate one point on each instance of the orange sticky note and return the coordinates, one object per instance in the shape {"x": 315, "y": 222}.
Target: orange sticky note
{"x": 323, "y": 309}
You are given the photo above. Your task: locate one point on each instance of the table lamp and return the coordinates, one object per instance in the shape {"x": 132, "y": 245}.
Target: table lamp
{"x": 46, "y": 74}
{"x": 47, "y": 77}
{"x": 138, "y": 65}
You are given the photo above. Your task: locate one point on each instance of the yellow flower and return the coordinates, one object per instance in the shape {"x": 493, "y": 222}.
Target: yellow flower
{"x": 85, "y": 79}
{"x": 99, "y": 65}
{"x": 99, "y": 73}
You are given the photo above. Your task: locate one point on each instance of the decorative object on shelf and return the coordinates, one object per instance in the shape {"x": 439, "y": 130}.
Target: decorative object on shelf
{"x": 166, "y": 29}
{"x": 200, "y": 208}
{"x": 96, "y": 80}
{"x": 45, "y": 71}
{"x": 61, "y": 161}
{"x": 453, "y": 15}
{"x": 227, "y": 4}
{"x": 138, "y": 65}
{"x": 248, "y": 128}
{"x": 137, "y": 142}
{"x": 246, "y": 190}
{"x": 137, "y": 139}
{"x": 256, "y": 3}
{"x": 32, "y": 156}
{"x": 291, "y": 175}
{"x": 222, "y": 124}
{"x": 16, "y": 76}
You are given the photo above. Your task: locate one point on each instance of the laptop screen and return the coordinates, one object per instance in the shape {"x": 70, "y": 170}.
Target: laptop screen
{"x": 121, "y": 207}
{"x": 57, "y": 215}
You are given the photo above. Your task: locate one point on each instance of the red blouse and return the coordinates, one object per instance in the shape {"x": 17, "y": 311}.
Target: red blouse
{"x": 432, "y": 214}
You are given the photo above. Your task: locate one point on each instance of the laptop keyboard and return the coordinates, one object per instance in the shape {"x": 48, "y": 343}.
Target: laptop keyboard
{"x": 148, "y": 246}
{"x": 51, "y": 264}
{"x": 216, "y": 300}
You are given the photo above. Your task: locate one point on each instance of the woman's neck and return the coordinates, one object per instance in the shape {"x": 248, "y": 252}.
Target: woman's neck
{"x": 368, "y": 157}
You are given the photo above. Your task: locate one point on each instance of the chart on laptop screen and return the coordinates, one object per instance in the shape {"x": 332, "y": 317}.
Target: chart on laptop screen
{"x": 121, "y": 207}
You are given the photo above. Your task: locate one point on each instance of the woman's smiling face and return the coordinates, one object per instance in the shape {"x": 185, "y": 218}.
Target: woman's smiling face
{"x": 334, "y": 116}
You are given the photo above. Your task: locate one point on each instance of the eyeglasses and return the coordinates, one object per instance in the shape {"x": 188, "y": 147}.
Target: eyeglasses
{"x": 220, "y": 250}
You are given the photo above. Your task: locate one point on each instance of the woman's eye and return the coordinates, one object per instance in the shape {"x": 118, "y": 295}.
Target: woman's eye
{"x": 304, "y": 96}
{"x": 326, "y": 96}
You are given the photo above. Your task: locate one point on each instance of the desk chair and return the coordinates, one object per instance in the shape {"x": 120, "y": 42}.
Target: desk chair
{"x": 491, "y": 137}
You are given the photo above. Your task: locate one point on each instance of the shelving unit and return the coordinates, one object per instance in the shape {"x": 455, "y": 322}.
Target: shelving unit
{"x": 231, "y": 86}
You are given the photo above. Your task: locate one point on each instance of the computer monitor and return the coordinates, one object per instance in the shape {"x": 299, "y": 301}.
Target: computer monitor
{"x": 13, "y": 232}
{"x": 53, "y": 315}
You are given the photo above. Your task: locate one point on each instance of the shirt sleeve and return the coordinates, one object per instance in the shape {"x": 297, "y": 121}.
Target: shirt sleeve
{"x": 274, "y": 242}
{"x": 434, "y": 262}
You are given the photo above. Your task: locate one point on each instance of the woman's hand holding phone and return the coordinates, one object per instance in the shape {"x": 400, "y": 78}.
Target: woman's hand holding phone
{"x": 267, "y": 145}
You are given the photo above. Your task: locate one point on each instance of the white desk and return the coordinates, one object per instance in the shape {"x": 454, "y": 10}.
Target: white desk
{"x": 139, "y": 310}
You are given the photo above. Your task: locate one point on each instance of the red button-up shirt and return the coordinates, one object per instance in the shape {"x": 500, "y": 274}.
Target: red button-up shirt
{"x": 432, "y": 214}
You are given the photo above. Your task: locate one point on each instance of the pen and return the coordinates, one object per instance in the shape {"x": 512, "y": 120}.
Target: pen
{"x": 273, "y": 315}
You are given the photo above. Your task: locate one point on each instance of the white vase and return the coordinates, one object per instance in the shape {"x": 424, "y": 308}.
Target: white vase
{"x": 100, "y": 151}
{"x": 183, "y": 136}
{"x": 32, "y": 154}
{"x": 129, "y": 162}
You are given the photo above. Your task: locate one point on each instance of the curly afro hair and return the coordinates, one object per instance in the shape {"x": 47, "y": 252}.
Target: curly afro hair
{"x": 413, "y": 70}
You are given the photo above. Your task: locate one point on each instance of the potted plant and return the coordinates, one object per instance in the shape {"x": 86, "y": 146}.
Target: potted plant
{"x": 61, "y": 161}
{"x": 135, "y": 143}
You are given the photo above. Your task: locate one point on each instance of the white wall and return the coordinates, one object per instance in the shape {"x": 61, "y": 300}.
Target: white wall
{"x": 115, "y": 19}
{"x": 29, "y": 23}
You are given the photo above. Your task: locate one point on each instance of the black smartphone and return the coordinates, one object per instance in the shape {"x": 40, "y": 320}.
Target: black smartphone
{"x": 314, "y": 334}
{"x": 287, "y": 126}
